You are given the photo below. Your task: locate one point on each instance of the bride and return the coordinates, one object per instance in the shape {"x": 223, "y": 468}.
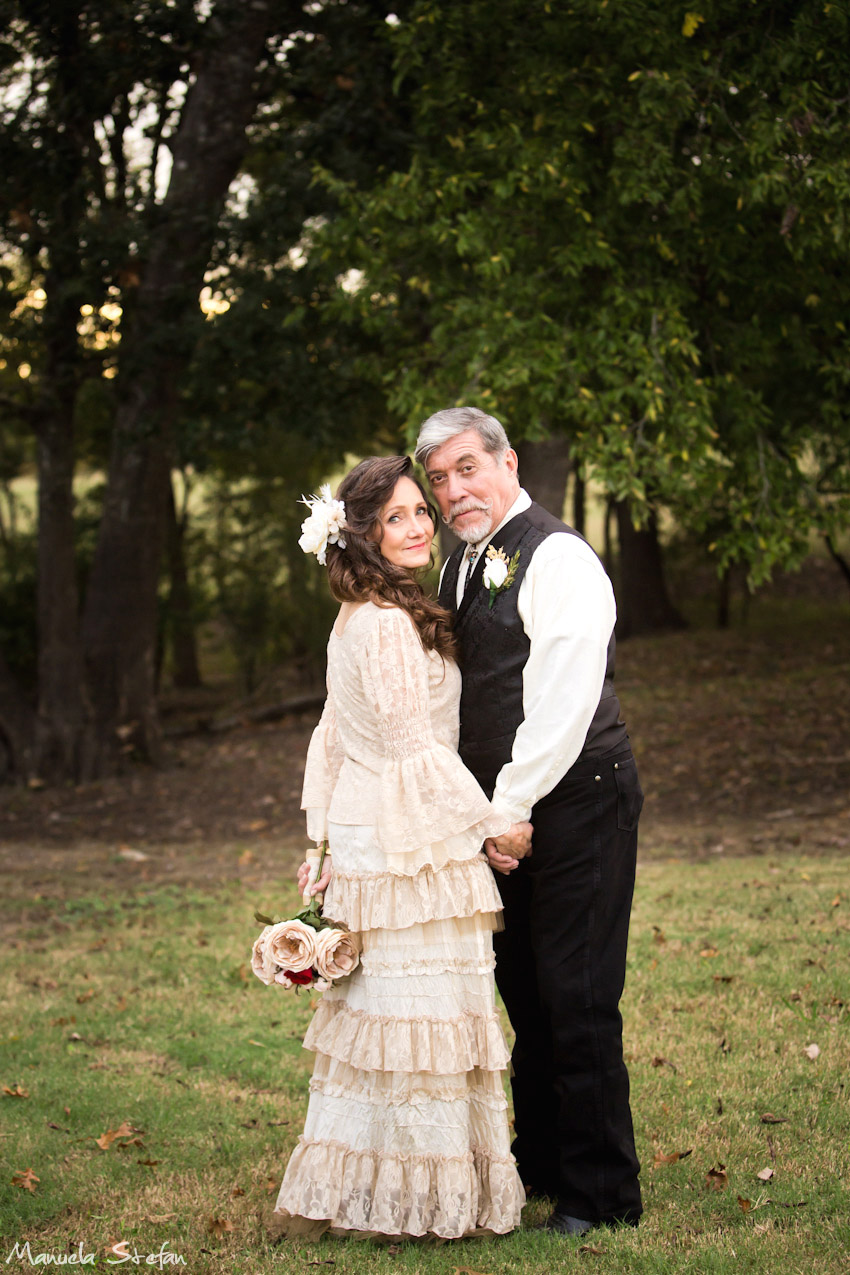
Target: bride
{"x": 406, "y": 1131}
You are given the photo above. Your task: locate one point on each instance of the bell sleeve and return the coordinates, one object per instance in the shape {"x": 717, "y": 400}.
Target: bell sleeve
{"x": 431, "y": 810}
{"x": 321, "y": 772}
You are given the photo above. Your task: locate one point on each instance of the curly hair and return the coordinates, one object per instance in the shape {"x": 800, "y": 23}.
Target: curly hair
{"x": 361, "y": 573}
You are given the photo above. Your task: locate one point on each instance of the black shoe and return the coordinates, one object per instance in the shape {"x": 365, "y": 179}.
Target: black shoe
{"x": 565, "y": 1224}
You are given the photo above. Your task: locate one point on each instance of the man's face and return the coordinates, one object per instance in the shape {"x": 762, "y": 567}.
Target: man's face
{"x": 473, "y": 488}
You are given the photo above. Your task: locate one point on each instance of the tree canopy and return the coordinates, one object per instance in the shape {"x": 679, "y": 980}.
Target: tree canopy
{"x": 629, "y": 225}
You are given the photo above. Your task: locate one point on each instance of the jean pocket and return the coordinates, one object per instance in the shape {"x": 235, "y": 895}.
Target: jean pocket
{"x": 629, "y": 795}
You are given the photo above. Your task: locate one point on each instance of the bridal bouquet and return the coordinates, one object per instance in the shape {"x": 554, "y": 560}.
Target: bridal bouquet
{"x": 304, "y": 950}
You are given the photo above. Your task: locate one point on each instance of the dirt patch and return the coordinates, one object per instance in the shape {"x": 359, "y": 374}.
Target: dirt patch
{"x": 742, "y": 737}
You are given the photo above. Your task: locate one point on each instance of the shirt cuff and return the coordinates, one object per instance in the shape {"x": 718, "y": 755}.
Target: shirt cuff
{"x": 516, "y": 814}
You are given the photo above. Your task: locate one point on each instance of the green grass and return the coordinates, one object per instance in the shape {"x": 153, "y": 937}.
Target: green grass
{"x": 735, "y": 968}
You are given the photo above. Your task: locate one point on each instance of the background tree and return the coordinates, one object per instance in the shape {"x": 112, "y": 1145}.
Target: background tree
{"x": 629, "y": 225}
{"x": 125, "y": 128}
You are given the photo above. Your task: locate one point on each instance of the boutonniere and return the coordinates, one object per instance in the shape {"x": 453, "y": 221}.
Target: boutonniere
{"x": 499, "y": 573}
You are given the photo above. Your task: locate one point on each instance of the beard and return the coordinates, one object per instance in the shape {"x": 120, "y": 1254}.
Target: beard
{"x": 471, "y": 531}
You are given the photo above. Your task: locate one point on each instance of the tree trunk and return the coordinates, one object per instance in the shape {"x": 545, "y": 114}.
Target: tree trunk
{"x": 579, "y": 500}
{"x": 120, "y": 624}
{"x": 19, "y": 734}
{"x": 544, "y": 467}
{"x": 643, "y": 604}
{"x": 62, "y": 709}
{"x": 608, "y": 552}
{"x": 724, "y": 599}
{"x": 838, "y": 558}
{"x": 180, "y": 624}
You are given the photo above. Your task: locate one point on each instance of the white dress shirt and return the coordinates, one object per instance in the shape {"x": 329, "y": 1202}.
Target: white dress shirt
{"x": 566, "y": 605}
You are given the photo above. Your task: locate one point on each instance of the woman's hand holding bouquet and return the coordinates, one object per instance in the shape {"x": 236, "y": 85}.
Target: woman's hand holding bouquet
{"x": 305, "y": 950}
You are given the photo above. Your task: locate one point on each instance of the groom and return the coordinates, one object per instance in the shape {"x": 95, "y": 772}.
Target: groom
{"x": 541, "y": 731}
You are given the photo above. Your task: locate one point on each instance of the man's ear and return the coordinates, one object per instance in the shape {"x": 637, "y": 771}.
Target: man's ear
{"x": 511, "y": 460}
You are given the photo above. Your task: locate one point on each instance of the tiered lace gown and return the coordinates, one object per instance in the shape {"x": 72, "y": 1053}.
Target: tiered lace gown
{"x": 406, "y": 1131}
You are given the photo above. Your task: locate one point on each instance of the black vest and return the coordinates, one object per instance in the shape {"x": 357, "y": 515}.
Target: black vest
{"x": 494, "y": 650}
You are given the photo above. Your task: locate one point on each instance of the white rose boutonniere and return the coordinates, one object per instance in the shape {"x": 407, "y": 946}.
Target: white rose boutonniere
{"x": 499, "y": 572}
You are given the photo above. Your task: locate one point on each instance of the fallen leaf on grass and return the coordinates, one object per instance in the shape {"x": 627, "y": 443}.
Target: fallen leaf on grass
{"x": 237, "y": 1191}
{"x": 149, "y": 1164}
{"x": 673, "y": 1158}
{"x": 658, "y": 1061}
{"x": 25, "y": 1179}
{"x": 716, "y": 1179}
{"x": 769, "y": 1118}
{"x": 723, "y": 978}
{"x": 272, "y": 1184}
{"x": 658, "y": 936}
{"x": 16, "y": 1092}
{"x": 812, "y": 1051}
{"x": 709, "y": 952}
{"x": 124, "y": 1131}
{"x": 836, "y": 902}
{"x": 85, "y": 996}
{"x": 746, "y": 1205}
{"x": 783, "y": 1204}
{"x": 591, "y": 1248}
{"x": 219, "y": 1226}
{"x": 58, "y": 1127}
{"x": 765, "y": 1174}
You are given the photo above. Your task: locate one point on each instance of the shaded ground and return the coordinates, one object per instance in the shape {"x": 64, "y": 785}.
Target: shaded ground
{"x": 743, "y": 741}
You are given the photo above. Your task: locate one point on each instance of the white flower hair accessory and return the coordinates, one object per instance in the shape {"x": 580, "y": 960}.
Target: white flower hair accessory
{"x": 324, "y": 525}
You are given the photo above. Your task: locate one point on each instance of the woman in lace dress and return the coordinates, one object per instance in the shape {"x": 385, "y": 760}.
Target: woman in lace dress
{"x": 406, "y": 1131}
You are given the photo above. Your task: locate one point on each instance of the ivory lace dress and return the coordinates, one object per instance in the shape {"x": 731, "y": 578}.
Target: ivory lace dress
{"x": 406, "y": 1131}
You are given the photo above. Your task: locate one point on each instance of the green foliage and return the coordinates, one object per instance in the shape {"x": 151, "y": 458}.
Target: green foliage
{"x": 246, "y": 561}
{"x": 631, "y": 228}
{"x": 92, "y": 101}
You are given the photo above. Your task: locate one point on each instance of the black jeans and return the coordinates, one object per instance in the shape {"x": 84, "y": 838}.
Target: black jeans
{"x": 560, "y": 967}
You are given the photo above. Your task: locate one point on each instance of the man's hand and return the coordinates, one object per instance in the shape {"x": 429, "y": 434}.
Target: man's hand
{"x": 504, "y": 852}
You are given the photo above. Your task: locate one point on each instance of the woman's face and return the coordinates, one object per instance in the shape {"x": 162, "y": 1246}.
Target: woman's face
{"x": 406, "y": 527}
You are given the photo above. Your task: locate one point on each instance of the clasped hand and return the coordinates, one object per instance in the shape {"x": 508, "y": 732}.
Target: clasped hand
{"x": 306, "y": 871}
{"x": 504, "y": 852}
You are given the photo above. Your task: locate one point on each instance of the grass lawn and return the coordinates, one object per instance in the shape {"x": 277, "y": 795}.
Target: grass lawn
{"x": 136, "y": 1012}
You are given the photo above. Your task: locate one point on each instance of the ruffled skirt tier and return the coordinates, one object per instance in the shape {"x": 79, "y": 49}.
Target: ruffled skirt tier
{"x": 406, "y": 1131}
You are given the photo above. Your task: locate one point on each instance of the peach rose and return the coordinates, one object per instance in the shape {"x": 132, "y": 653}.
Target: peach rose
{"x": 292, "y": 945}
{"x": 337, "y": 953}
{"x": 262, "y": 961}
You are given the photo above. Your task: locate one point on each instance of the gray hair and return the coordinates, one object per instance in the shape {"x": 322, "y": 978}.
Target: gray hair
{"x": 450, "y": 422}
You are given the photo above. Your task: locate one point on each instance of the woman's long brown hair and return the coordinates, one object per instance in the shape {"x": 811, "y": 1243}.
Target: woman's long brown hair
{"x": 361, "y": 573}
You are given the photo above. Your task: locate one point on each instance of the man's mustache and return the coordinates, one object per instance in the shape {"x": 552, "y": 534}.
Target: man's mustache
{"x": 467, "y": 507}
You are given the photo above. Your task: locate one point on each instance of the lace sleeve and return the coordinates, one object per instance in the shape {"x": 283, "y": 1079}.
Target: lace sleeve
{"x": 431, "y": 809}
{"x": 321, "y": 771}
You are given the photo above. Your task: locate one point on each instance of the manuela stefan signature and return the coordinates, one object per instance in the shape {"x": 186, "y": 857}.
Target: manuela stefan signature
{"x": 116, "y": 1255}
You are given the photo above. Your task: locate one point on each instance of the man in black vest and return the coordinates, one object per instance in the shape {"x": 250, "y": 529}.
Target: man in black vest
{"x": 540, "y": 729}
